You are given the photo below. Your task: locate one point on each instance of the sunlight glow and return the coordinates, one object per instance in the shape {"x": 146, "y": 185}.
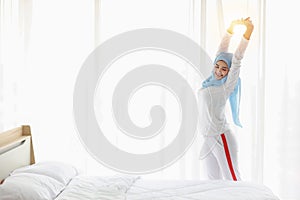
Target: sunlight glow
{"x": 239, "y": 30}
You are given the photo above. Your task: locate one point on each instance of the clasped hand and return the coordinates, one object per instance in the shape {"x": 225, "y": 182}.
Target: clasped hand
{"x": 246, "y": 22}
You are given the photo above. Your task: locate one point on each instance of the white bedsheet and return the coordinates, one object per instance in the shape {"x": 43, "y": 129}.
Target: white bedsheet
{"x": 95, "y": 187}
{"x": 204, "y": 190}
{"x": 134, "y": 188}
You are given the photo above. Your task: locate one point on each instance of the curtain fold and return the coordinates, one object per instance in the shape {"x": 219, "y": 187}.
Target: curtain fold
{"x": 15, "y": 20}
{"x": 1, "y": 67}
{"x": 220, "y": 12}
{"x": 282, "y": 84}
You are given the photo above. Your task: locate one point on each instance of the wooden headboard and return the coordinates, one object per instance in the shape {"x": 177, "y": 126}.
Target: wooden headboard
{"x": 16, "y": 150}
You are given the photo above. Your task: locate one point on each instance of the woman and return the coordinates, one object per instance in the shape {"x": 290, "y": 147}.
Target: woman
{"x": 219, "y": 151}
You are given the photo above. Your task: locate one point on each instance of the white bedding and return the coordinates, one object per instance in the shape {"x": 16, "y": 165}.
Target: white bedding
{"x": 59, "y": 181}
{"x": 134, "y": 188}
{"x": 95, "y": 187}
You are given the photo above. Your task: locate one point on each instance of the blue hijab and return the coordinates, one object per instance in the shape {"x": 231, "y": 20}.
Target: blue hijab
{"x": 235, "y": 96}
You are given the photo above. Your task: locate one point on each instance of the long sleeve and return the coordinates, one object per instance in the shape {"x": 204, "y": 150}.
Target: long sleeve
{"x": 234, "y": 71}
{"x": 239, "y": 52}
{"x": 223, "y": 47}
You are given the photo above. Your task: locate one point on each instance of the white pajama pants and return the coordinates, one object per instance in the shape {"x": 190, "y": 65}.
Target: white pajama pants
{"x": 219, "y": 154}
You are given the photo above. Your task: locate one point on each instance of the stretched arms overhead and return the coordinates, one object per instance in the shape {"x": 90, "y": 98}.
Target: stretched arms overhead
{"x": 223, "y": 47}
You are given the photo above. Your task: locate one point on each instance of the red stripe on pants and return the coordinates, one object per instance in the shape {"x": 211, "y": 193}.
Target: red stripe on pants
{"x": 228, "y": 157}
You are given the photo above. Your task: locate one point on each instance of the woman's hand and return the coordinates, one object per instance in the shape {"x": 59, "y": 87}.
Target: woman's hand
{"x": 249, "y": 25}
{"x": 232, "y": 25}
{"x": 246, "y": 22}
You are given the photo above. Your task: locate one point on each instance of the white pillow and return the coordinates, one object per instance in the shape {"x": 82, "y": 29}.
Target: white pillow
{"x": 28, "y": 186}
{"x": 61, "y": 172}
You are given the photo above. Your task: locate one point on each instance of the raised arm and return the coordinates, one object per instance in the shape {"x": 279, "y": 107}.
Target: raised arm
{"x": 233, "y": 74}
{"x": 239, "y": 53}
{"x": 223, "y": 47}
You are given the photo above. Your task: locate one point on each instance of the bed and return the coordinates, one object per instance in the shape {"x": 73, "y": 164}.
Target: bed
{"x": 24, "y": 179}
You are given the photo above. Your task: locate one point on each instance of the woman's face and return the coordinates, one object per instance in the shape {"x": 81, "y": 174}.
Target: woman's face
{"x": 220, "y": 70}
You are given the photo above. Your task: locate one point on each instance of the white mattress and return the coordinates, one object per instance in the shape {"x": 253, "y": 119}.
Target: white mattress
{"x": 134, "y": 188}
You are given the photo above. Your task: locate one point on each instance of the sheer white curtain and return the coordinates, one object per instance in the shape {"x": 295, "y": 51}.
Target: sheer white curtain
{"x": 42, "y": 44}
{"x": 282, "y": 149}
{"x": 181, "y": 17}
{"x": 62, "y": 35}
{"x": 15, "y": 24}
{"x": 38, "y": 89}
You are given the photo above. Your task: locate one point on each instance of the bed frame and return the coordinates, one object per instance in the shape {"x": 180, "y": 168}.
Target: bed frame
{"x": 16, "y": 150}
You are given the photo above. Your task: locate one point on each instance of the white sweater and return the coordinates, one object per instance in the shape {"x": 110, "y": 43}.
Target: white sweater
{"x": 212, "y": 100}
